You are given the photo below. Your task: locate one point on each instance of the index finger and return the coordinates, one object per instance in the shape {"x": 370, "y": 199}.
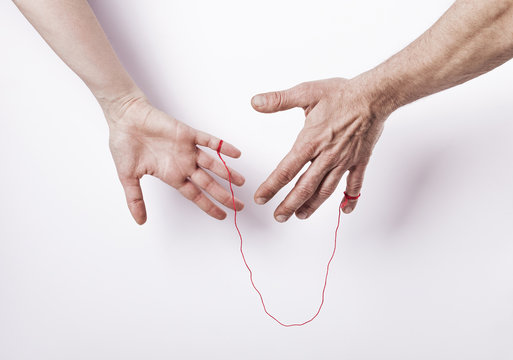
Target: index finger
{"x": 286, "y": 170}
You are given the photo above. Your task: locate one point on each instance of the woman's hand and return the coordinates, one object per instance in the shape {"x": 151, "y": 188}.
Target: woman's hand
{"x": 341, "y": 129}
{"x": 144, "y": 140}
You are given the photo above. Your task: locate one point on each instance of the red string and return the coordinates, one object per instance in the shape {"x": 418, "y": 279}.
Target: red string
{"x": 342, "y": 205}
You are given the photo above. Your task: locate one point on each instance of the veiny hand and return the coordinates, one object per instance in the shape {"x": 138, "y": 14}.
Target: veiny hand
{"x": 144, "y": 140}
{"x": 340, "y": 132}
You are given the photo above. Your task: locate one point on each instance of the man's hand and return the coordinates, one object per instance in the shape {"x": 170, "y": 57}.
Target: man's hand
{"x": 344, "y": 118}
{"x": 339, "y": 134}
{"x": 144, "y": 140}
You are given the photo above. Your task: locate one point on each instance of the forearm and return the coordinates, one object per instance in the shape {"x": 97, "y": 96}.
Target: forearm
{"x": 72, "y": 30}
{"x": 470, "y": 39}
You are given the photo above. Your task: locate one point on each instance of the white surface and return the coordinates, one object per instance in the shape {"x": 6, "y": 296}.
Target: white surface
{"x": 425, "y": 264}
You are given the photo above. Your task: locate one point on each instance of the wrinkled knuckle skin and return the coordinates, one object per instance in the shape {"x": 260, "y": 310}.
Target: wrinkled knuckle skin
{"x": 210, "y": 187}
{"x": 331, "y": 158}
{"x": 303, "y": 191}
{"x": 214, "y": 210}
{"x": 196, "y": 198}
{"x": 326, "y": 192}
{"x": 134, "y": 203}
{"x": 308, "y": 148}
{"x": 355, "y": 187}
{"x": 283, "y": 176}
{"x": 212, "y": 143}
{"x": 211, "y": 209}
{"x": 275, "y": 99}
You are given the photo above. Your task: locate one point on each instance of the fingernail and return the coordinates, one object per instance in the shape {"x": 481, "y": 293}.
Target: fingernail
{"x": 259, "y": 101}
{"x": 301, "y": 215}
{"x": 281, "y": 218}
{"x": 347, "y": 209}
{"x": 260, "y": 200}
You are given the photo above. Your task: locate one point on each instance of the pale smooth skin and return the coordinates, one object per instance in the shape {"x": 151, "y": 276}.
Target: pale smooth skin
{"x": 344, "y": 118}
{"x": 143, "y": 140}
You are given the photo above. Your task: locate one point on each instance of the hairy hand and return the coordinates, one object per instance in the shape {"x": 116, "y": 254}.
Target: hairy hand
{"x": 144, "y": 140}
{"x": 339, "y": 134}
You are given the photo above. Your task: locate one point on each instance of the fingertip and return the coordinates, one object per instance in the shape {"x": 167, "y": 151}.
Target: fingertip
{"x": 138, "y": 211}
{"x": 221, "y": 215}
{"x": 281, "y": 218}
{"x": 140, "y": 220}
{"x": 236, "y": 153}
{"x": 258, "y": 101}
{"x": 260, "y": 200}
{"x": 261, "y": 103}
{"x": 260, "y": 197}
{"x": 302, "y": 215}
{"x": 240, "y": 181}
{"x": 348, "y": 209}
{"x": 230, "y": 150}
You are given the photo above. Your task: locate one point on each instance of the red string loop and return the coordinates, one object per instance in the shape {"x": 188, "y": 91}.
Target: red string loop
{"x": 249, "y": 269}
{"x": 351, "y": 197}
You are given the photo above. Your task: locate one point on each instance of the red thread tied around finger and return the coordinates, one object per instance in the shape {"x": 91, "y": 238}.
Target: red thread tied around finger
{"x": 349, "y": 197}
{"x": 342, "y": 205}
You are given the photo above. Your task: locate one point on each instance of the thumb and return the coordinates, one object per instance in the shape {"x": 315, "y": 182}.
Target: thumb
{"x": 354, "y": 185}
{"x": 134, "y": 199}
{"x": 281, "y": 100}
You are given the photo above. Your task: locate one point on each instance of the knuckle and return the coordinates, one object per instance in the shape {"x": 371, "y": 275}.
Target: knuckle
{"x": 197, "y": 197}
{"x": 331, "y": 157}
{"x": 211, "y": 187}
{"x": 134, "y": 202}
{"x": 355, "y": 185}
{"x": 211, "y": 209}
{"x": 275, "y": 99}
{"x": 326, "y": 191}
{"x": 303, "y": 191}
{"x": 283, "y": 175}
{"x": 308, "y": 148}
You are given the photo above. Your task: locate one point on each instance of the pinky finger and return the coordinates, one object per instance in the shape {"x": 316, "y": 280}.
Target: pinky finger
{"x": 134, "y": 199}
{"x": 354, "y": 185}
{"x": 204, "y": 139}
{"x": 193, "y": 193}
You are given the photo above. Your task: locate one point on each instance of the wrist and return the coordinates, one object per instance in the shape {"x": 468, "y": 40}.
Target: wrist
{"x": 379, "y": 91}
{"x": 116, "y": 105}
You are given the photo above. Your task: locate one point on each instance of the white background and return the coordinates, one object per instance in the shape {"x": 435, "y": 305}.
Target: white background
{"x": 425, "y": 264}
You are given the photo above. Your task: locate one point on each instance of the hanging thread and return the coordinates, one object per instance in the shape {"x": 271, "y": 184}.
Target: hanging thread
{"x": 342, "y": 205}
